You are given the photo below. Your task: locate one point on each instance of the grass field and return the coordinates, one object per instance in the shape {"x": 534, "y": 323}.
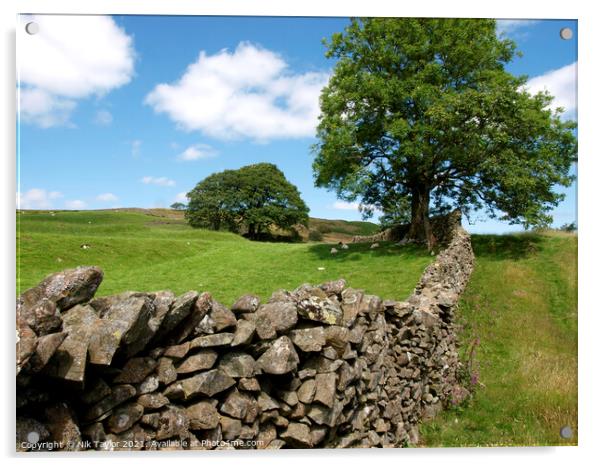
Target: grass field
{"x": 150, "y": 250}
{"x": 521, "y": 304}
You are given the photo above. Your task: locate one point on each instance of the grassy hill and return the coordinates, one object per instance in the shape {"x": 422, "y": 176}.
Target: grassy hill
{"x": 342, "y": 230}
{"x": 520, "y": 309}
{"x": 154, "y": 249}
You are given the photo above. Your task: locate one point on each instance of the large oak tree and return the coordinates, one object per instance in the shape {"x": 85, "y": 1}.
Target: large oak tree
{"x": 420, "y": 116}
{"x": 253, "y": 199}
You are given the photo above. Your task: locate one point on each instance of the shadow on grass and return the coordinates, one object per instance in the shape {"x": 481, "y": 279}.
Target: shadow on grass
{"x": 510, "y": 246}
{"x": 358, "y": 250}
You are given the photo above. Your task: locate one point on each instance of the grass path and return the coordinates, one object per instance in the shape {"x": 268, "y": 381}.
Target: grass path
{"x": 521, "y": 303}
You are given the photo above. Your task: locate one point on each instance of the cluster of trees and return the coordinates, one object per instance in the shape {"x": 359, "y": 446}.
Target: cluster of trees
{"x": 421, "y": 117}
{"x": 252, "y": 199}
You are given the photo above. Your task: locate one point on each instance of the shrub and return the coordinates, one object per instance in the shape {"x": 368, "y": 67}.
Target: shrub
{"x": 315, "y": 235}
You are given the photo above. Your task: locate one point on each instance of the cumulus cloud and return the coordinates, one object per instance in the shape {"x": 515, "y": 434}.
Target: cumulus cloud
{"x": 181, "y": 197}
{"x": 44, "y": 109}
{"x": 70, "y": 58}
{"x": 562, "y": 84}
{"x": 343, "y": 205}
{"x": 247, "y": 93}
{"x": 107, "y": 197}
{"x": 75, "y": 204}
{"x": 506, "y": 27}
{"x": 198, "y": 151}
{"x": 103, "y": 118}
{"x": 159, "y": 181}
{"x": 37, "y": 199}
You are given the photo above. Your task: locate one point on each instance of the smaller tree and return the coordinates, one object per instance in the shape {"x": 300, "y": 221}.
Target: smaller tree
{"x": 252, "y": 199}
{"x": 569, "y": 227}
{"x": 178, "y": 206}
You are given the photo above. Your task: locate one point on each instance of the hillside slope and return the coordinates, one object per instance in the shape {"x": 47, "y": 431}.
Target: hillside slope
{"x": 332, "y": 230}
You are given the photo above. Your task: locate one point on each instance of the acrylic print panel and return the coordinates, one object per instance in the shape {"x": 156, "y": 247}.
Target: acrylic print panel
{"x": 411, "y": 183}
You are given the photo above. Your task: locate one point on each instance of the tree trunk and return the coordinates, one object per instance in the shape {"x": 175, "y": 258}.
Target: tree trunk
{"x": 420, "y": 226}
{"x": 253, "y": 231}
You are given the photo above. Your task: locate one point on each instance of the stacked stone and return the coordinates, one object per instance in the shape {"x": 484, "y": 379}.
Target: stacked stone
{"x": 323, "y": 366}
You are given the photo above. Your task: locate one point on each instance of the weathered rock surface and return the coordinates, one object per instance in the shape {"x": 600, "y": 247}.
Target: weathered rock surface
{"x": 65, "y": 289}
{"x": 238, "y": 365}
{"x": 202, "y": 416}
{"x": 122, "y": 325}
{"x": 173, "y": 422}
{"x": 308, "y": 339}
{"x": 314, "y": 306}
{"x": 244, "y": 333}
{"x": 247, "y": 303}
{"x": 45, "y": 349}
{"x": 209, "y": 341}
{"x": 63, "y": 426}
{"x": 162, "y": 301}
{"x": 119, "y": 394}
{"x": 204, "y": 359}
{"x": 136, "y": 370}
{"x": 275, "y": 318}
{"x": 69, "y": 360}
{"x": 179, "y": 310}
{"x": 280, "y": 358}
{"x": 297, "y": 435}
{"x": 206, "y": 383}
{"x": 124, "y": 417}
{"x": 152, "y": 401}
{"x": 222, "y": 317}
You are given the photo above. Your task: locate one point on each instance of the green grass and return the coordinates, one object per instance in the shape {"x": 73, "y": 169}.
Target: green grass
{"x": 150, "y": 250}
{"x": 521, "y": 303}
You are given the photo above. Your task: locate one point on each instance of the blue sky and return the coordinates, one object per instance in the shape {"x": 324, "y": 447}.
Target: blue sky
{"x": 133, "y": 111}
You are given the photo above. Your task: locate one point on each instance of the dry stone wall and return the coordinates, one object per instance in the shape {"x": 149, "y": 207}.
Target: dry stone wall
{"x": 319, "y": 367}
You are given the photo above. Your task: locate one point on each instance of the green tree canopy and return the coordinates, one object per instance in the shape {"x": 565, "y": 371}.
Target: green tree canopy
{"x": 178, "y": 206}
{"x": 420, "y": 116}
{"x": 252, "y": 199}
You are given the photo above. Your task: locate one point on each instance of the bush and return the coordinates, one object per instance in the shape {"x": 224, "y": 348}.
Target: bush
{"x": 569, "y": 227}
{"x": 315, "y": 235}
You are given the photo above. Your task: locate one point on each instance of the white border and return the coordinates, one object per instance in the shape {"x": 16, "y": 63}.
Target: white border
{"x": 590, "y": 323}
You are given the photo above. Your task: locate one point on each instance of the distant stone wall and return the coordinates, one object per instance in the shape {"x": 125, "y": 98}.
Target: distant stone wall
{"x": 318, "y": 367}
{"x": 442, "y": 225}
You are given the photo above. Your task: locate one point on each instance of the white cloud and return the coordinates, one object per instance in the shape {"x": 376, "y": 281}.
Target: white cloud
{"x": 136, "y": 144}
{"x": 107, "y": 197}
{"x": 70, "y": 58}
{"x": 75, "y": 204}
{"x": 37, "y": 199}
{"x": 247, "y": 93}
{"x": 343, "y": 205}
{"x": 506, "y": 27}
{"x": 44, "y": 109}
{"x": 562, "y": 84}
{"x": 198, "y": 151}
{"x": 160, "y": 181}
{"x": 181, "y": 197}
{"x": 103, "y": 118}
